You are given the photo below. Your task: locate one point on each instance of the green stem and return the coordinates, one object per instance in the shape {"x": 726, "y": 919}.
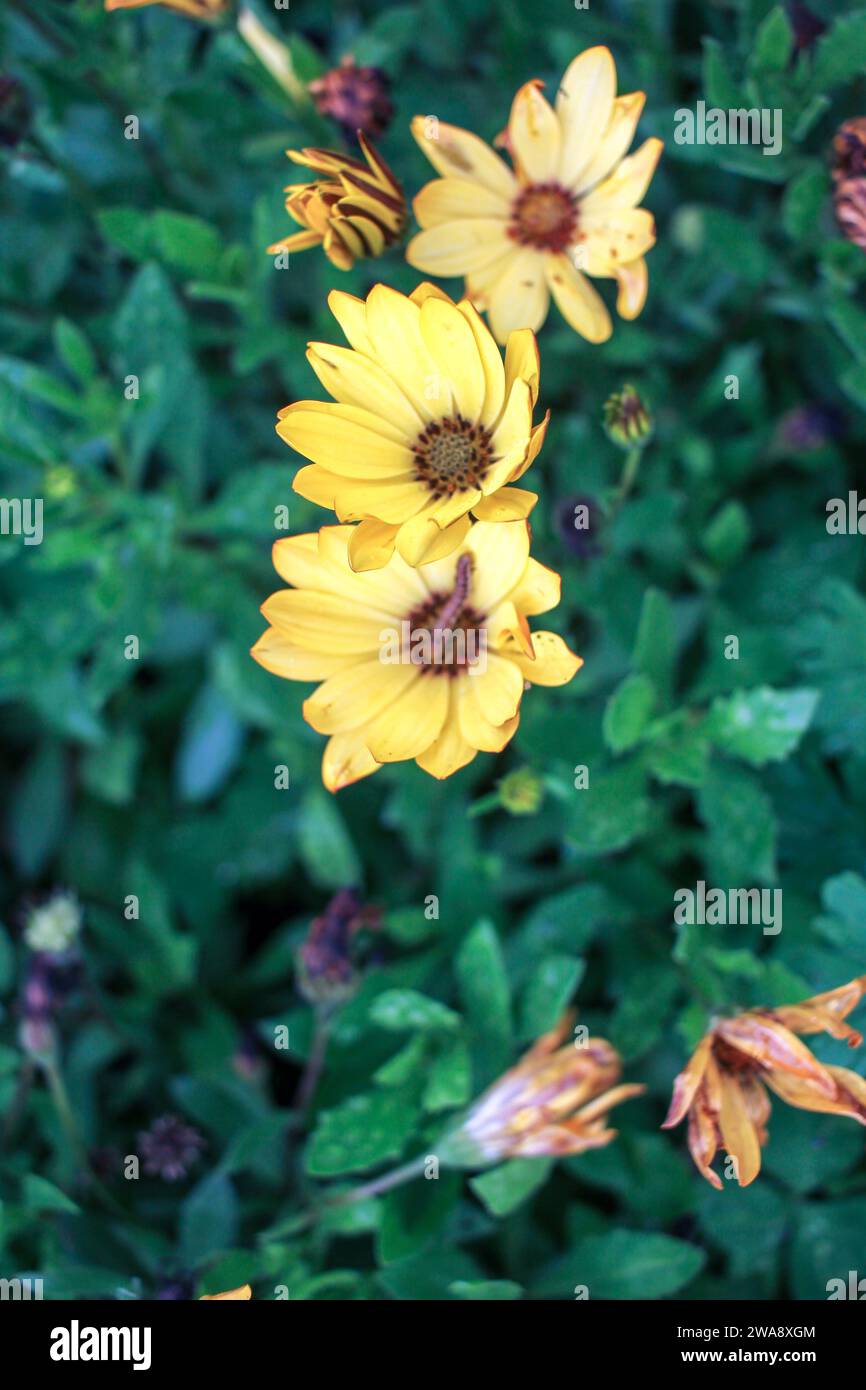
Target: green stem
{"x": 629, "y": 473}
{"x": 375, "y": 1188}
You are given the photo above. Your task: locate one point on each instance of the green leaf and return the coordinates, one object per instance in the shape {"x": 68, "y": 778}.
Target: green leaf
{"x": 38, "y": 811}
{"x": 762, "y": 725}
{"x": 449, "y": 1079}
{"x": 486, "y": 994}
{"x": 415, "y": 1215}
{"x": 727, "y": 535}
{"x": 627, "y": 712}
{"x": 210, "y": 747}
{"x": 804, "y": 201}
{"x": 504, "y": 1189}
{"x": 486, "y": 1290}
{"x": 655, "y": 646}
{"x": 325, "y": 844}
{"x": 624, "y": 1264}
{"x": 401, "y": 1010}
{"x": 208, "y": 1219}
{"x": 547, "y": 993}
{"x": 840, "y": 54}
{"x": 364, "y": 1131}
{"x": 774, "y": 44}
{"x": 41, "y": 1195}
{"x": 827, "y": 1244}
{"x": 74, "y": 350}
{"x": 742, "y": 827}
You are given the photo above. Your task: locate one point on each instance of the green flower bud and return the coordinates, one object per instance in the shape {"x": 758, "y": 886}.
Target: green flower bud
{"x": 627, "y": 420}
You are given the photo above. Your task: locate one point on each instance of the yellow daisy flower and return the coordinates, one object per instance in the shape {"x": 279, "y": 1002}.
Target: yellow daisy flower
{"x": 233, "y": 1295}
{"x": 570, "y": 204}
{"x": 428, "y": 424}
{"x": 195, "y": 9}
{"x": 356, "y": 210}
{"x": 425, "y": 663}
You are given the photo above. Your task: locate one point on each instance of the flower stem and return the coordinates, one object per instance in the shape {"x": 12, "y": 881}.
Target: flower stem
{"x": 374, "y": 1188}
{"x": 316, "y": 1060}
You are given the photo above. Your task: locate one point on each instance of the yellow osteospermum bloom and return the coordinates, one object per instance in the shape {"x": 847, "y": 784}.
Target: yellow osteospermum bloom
{"x": 425, "y": 663}
{"x": 428, "y": 424}
{"x": 232, "y": 1295}
{"x": 356, "y": 210}
{"x": 196, "y": 9}
{"x": 570, "y": 205}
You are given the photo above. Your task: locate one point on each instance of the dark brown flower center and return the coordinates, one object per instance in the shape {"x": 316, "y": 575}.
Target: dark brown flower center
{"x": 452, "y": 455}
{"x": 544, "y": 215}
{"x": 447, "y": 634}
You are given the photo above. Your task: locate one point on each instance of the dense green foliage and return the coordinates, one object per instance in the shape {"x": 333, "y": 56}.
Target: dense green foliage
{"x": 155, "y": 777}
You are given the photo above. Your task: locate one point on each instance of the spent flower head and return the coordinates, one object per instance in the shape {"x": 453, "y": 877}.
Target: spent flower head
{"x": 53, "y": 925}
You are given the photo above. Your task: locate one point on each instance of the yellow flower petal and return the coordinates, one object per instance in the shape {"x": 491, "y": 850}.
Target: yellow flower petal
{"x": 535, "y": 135}
{"x": 627, "y": 184}
{"x": 427, "y": 290}
{"x": 508, "y": 504}
{"x": 554, "y": 663}
{"x": 316, "y": 485}
{"x": 450, "y": 752}
{"x": 501, "y": 550}
{"x": 615, "y": 141}
{"x": 423, "y": 541}
{"x": 345, "y": 440}
{"x": 475, "y": 728}
{"x": 577, "y": 301}
{"x": 616, "y": 238}
{"x": 283, "y": 658}
{"x": 353, "y": 379}
{"x": 522, "y": 362}
{"x": 395, "y": 592}
{"x": 632, "y": 286}
{"x": 584, "y": 105}
{"x": 491, "y": 363}
{"x": 412, "y": 723}
{"x": 346, "y": 760}
{"x": 394, "y": 325}
{"x": 519, "y": 299}
{"x": 451, "y": 343}
{"x": 462, "y": 247}
{"x": 538, "y": 590}
{"x": 351, "y": 314}
{"x": 235, "y": 1295}
{"x": 371, "y": 545}
{"x": 512, "y": 433}
{"x": 391, "y": 501}
{"x": 459, "y": 153}
{"x": 298, "y": 241}
{"x": 498, "y": 689}
{"x": 447, "y": 200}
{"x": 354, "y": 696}
{"x": 324, "y": 622}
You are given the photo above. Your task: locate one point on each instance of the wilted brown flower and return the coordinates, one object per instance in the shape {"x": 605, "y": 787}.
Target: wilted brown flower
{"x": 355, "y": 210}
{"x": 555, "y": 1102}
{"x": 722, "y": 1089}
{"x": 355, "y": 97}
{"x": 849, "y": 177}
{"x": 194, "y": 9}
{"x": 328, "y": 971}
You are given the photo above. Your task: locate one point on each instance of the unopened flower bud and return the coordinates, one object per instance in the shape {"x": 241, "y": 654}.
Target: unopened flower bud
{"x": 521, "y": 792}
{"x": 627, "y": 419}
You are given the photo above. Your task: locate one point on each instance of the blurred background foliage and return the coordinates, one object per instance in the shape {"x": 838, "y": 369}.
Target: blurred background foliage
{"x": 156, "y": 777}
